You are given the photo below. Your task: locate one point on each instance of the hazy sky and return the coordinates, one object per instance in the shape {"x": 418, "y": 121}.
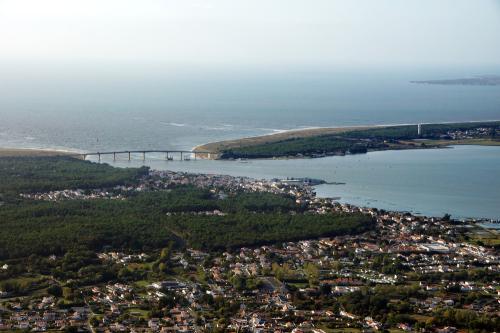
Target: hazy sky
{"x": 251, "y": 32}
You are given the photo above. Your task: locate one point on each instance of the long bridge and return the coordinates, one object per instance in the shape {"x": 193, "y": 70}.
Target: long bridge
{"x": 169, "y": 154}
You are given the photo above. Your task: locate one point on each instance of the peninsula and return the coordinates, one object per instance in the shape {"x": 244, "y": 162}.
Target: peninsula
{"x": 321, "y": 142}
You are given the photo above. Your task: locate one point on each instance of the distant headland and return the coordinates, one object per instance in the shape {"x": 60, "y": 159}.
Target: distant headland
{"x": 483, "y": 80}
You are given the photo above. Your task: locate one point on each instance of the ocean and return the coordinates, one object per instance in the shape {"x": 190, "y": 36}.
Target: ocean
{"x": 80, "y": 110}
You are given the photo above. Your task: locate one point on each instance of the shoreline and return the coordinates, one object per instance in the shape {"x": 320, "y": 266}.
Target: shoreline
{"x": 34, "y": 152}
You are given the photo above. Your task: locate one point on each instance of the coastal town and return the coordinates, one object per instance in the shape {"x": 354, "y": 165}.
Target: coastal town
{"x": 218, "y": 166}
{"x": 410, "y": 273}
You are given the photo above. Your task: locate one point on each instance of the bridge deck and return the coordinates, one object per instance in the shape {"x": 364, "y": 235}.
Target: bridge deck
{"x": 144, "y": 152}
{"x": 147, "y": 151}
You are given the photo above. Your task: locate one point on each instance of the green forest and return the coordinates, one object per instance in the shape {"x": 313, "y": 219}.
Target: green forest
{"x": 144, "y": 220}
{"x": 305, "y": 146}
{"x": 38, "y": 174}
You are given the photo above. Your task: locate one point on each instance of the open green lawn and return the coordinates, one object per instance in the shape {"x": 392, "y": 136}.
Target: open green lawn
{"x": 489, "y": 240}
{"x": 421, "y": 318}
{"x": 26, "y": 283}
{"x": 142, "y": 283}
{"x": 136, "y": 312}
{"x": 485, "y": 236}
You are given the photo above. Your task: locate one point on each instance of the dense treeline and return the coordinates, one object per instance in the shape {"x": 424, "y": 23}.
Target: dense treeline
{"x": 245, "y": 229}
{"x": 141, "y": 222}
{"x": 376, "y": 302}
{"x": 192, "y": 199}
{"x": 385, "y": 133}
{"x": 305, "y": 146}
{"x": 46, "y": 228}
{"x": 39, "y": 174}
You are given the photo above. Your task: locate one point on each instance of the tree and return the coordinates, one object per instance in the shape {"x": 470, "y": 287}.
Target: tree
{"x": 238, "y": 282}
{"x": 55, "y": 290}
{"x": 312, "y": 272}
{"x": 166, "y": 252}
{"x": 337, "y": 265}
{"x": 325, "y": 289}
{"x": 201, "y": 275}
{"x": 68, "y": 293}
{"x": 94, "y": 321}
{"x": 162, "y": 267}
{"x": 124, "y": 273}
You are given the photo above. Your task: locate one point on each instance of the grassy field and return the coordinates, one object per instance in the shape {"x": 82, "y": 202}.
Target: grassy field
{"x": 485, "y": 236}
{"x": 136, "y": 312}
{"x": 421, "y": 318}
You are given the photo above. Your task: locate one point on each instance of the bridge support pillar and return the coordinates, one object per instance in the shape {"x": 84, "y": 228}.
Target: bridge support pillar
{"x": 114, "y": 156}
{"x": 181, "y": 157}
{"x": 129, "y": 156}
{"x": 143, "y": 155}
{"x": 99, "y": 156}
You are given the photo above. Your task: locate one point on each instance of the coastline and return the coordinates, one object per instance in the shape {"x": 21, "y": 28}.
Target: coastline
{"x": 34, "y": 152}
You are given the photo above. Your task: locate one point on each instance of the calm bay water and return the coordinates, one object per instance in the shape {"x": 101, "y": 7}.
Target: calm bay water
{"x": 463, "y": 181}
{"x": 100, "y": 111}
